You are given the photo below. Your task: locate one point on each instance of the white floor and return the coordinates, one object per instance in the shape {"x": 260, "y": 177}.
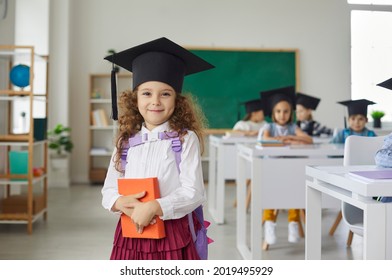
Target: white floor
{"x": 78, "y": 228}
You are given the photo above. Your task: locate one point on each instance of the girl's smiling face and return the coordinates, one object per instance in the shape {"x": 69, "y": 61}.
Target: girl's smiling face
{"x": 156, "y": 103}
{"x": 281, "y": 113}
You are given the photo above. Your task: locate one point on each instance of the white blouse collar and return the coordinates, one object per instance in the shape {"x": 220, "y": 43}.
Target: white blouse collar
{"x": 160, "y": 128}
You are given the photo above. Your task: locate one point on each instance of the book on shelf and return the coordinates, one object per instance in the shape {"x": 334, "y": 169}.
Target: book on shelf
{"x": 378, "y": 174}
{"x": 128, "y": 186}
{"x": 99, "y": 118}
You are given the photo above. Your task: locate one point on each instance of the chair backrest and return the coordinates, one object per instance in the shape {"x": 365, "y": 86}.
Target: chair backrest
{"x": 360, "y": 150}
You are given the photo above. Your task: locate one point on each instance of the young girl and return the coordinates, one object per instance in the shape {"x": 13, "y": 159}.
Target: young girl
{"x": 279, "y": 105}
{"x": 155, "y": 105}
{"x": 253, "y": 120}
{"x": 357, "y": 119}
{"x": 305, "y": 105}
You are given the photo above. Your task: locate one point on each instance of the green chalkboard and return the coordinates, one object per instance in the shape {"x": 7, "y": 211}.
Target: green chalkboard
{"x": 238, "y": 76}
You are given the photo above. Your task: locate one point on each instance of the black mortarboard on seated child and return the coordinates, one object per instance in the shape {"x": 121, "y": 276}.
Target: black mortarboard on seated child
{"x": 271, "y": 97}
{"x": 386, "y": 84}
{"x": 309, "y": 102}
{"x": 159, "y": 60}
{"x": 357, "y": 107}
{"x": 253, "y": 106}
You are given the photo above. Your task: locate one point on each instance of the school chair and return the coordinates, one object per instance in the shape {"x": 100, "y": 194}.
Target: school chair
{"x": 358, "y": 150}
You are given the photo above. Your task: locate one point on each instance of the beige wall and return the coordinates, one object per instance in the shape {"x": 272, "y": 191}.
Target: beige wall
{"x": 319, "y": 29}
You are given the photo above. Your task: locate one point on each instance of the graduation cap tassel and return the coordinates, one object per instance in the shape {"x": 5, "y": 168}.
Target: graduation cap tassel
{"x": 114, "y": 94}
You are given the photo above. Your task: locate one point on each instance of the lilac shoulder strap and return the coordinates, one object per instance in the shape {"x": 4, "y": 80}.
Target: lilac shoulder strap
{"x": 177, "y": 148}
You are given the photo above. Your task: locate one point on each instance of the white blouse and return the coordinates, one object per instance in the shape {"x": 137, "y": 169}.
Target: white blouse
{"x": 180, "y": 193}
{"x": 248, "y": 125}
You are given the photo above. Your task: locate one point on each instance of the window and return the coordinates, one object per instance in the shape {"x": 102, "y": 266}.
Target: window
{"x": 371, "y": 54}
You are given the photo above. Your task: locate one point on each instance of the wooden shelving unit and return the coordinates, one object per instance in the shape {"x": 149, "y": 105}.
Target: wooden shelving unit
{"x": 103, "y": 130}
{"x": 25, "y": 196}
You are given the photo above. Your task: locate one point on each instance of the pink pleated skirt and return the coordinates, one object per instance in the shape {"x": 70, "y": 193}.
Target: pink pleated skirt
{"x": 177, "y": 245}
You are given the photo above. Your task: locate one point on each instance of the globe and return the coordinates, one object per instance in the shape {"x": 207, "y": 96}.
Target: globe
{"x": 20, "y": 75}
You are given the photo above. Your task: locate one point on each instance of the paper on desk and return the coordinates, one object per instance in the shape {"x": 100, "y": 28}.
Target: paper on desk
{"x": 270, "y": 143}
{"x": 382, "y": 174}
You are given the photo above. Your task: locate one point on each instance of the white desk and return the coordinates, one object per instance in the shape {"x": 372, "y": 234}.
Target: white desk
{"x": 278, "y": 176}
{"x": 336, "y": 182}
{"x": 222, "y": 167}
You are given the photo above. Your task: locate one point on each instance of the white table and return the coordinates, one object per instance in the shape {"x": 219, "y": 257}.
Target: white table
{"x": 278, "y": 176}
{"x": 222, "y": 167}
{"x": 336, "y": 182}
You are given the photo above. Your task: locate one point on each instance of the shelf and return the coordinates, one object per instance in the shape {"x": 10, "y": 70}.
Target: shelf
{"x": 15, "y": 92}
{"x": 109, "y": 127}
{"x": 20, "y": 218}
{"x": 102, "y": 129}
{"x": 13, "y": 97}
{"x": 101, "y": 101}
{"x": 15, "y": 138}
{"x": 22, "y": 180}
{"x": 100, "y": 154}
{"x": 25, "y": 110}
{"x": 21, "y": 143}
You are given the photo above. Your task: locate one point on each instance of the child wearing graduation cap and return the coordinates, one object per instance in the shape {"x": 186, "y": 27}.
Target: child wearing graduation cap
{"x": 280, "y": 104}
{"x": 383, "y": 156}
{"x": 305, "y": 105}
{"x": 253, "y": 120}
{"x": 154, "y": 107}
{"x": 357, "y": 119}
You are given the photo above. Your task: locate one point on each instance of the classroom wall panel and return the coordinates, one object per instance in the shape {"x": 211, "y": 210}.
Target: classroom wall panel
{"x": 238, "y": 76}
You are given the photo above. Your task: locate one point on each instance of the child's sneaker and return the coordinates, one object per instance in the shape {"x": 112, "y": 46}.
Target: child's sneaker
{"x": 293, "y": 232}
{"x": 269, "y": 232}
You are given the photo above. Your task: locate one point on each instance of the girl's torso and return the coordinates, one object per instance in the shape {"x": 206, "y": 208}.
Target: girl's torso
{"x": 279, "y": 130}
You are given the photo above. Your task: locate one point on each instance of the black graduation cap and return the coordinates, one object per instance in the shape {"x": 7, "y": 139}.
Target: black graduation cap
{"x": 271, "y": 97}
{"x": 253, "y": 106}
{"x": 307, "y": 101}
{"x": 386, "y": 84}
{"x": 158, "y": 60}
{"x": 357, "y": 107}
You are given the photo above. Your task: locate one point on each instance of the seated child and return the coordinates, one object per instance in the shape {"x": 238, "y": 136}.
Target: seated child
{"x": 383, "y": 156}
{"x": 253, "y": 120}
{"x": 306, "y": 104}
{"x": 357, "y": 119}
{"x": 279, "y": 104}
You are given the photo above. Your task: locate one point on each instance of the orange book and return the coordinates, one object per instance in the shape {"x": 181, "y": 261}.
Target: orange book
{"x": 127, "y": 186}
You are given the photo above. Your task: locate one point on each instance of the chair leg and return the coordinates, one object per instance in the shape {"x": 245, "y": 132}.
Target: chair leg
{"x": 336, "y": 223}
{"x": 302, "y": 215}
{"x": 248, "y": 195}
{"x": 350, "y": 238}
{"x": 302, "y": 220}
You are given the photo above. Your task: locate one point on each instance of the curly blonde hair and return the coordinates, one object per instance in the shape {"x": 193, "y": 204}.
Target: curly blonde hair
{"x": 187, "y": 115}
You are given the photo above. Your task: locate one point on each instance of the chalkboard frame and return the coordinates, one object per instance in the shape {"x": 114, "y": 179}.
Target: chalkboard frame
{"x": 221, "y": 101}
